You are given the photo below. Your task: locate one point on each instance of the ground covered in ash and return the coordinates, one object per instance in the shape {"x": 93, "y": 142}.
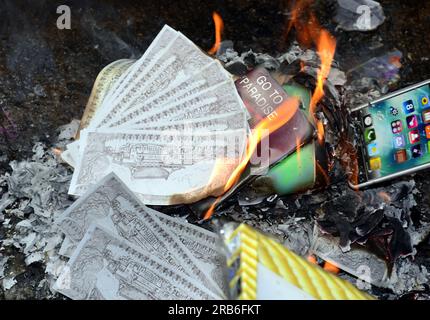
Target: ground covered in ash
{"x": 46, "y": 78}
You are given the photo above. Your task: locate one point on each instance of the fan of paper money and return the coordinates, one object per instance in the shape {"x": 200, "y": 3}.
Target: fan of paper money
{"x": 171, "y": 125}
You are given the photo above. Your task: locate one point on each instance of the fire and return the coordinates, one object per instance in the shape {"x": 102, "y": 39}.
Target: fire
{"x": 326, "y": 46}
{"x": 323, "y": 173}
{"x": 264, "y": 128}
{"x": 308, "y": 32}
{"x": 327, "y": 266}
{"x": 320, "y": 130}
{"x": 312, "y": 259}
{"x": 304, "y": 22}
{"x": 219, "y": 28}
{"x": 330, "y": 267}
{"x": 298, "y": 151}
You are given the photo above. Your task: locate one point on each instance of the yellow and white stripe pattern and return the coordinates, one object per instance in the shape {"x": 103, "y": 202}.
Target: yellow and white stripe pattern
{"x": 249, "y": 248}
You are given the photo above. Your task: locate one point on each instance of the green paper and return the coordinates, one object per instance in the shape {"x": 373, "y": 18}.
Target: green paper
{"x": 296, "y": 172}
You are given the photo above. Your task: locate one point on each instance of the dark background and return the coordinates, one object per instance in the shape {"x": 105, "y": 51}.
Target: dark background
{"x": 46, "y": 74}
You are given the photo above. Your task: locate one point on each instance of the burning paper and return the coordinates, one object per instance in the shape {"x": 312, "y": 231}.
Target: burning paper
{"x": 358, "y": 262}
{"x": 162, "y": 124}
{"x": 370, "y": 269}
{"x": 160, "y": 167}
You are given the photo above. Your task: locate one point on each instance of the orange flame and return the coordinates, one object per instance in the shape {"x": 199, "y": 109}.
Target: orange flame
{"x": 312, "y": 259}
{"x": 320, "y": 130}
{"x": 326, "y": 46}
{"x": 309, "y": 31}
{"x": 211, "y": 209}
{"x": 323, "y": 173}
{"x": 330, "y": 267}
{"x": 327, "y": 266}
{"x": 219, "y": 28}
{"x": 303, "y": 21}
{"x": 264, "y": 128}
{"x": 299, "y": 152}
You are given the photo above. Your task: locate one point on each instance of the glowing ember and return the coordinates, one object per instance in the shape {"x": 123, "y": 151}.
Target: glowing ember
{"x": 331, "y": 267}
{"x": 298, "y": 151}
{"x": 323, "y": 173}
{"x": 264, "y": 128}
{"x": 349, "y": 158}
{"x": 384, "y": 196}
{"x": 57, "y": 151}
{"x": 302, "y": 66}
{"x": 219, "y": 28}
{"x": 312, "y": 259}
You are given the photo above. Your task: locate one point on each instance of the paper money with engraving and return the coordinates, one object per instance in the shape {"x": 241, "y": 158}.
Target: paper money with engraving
{"x": 214, "y": 101}
{"x": 113, "y": 107}
{"x": 164, "y": 38}
{"x": 104, "y": 82}
{"x": 211, "y": 75}
{"x": 358, "y": 262}
{"x": 113, "y": 206}
{"x": 107, "y": 267}
{"x": 175, "y": 87}
{"x": 161, "y": 168}
{"x": 228, "y": 121}
{"x": 203, "y": 244}
{"x": 178, "y": 62}
{"x": 148, "y": 61}
{"x": 224, "y": 122}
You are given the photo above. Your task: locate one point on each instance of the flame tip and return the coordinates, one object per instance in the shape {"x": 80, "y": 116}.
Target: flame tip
{"x": 219, "y": 28}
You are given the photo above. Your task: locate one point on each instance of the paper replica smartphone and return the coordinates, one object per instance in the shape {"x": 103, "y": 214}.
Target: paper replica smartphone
{"x": 394, "y": 133}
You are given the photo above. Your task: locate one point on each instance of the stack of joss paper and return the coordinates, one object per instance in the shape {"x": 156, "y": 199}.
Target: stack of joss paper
{"x": 171, "y": 125}
{"x": 121, "y": 249}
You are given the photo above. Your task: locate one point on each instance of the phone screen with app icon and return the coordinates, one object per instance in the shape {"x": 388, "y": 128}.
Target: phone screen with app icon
{"x": 396, "y": 133}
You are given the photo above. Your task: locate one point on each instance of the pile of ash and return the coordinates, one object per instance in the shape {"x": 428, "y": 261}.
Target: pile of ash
{"x": 33, "y": 194}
